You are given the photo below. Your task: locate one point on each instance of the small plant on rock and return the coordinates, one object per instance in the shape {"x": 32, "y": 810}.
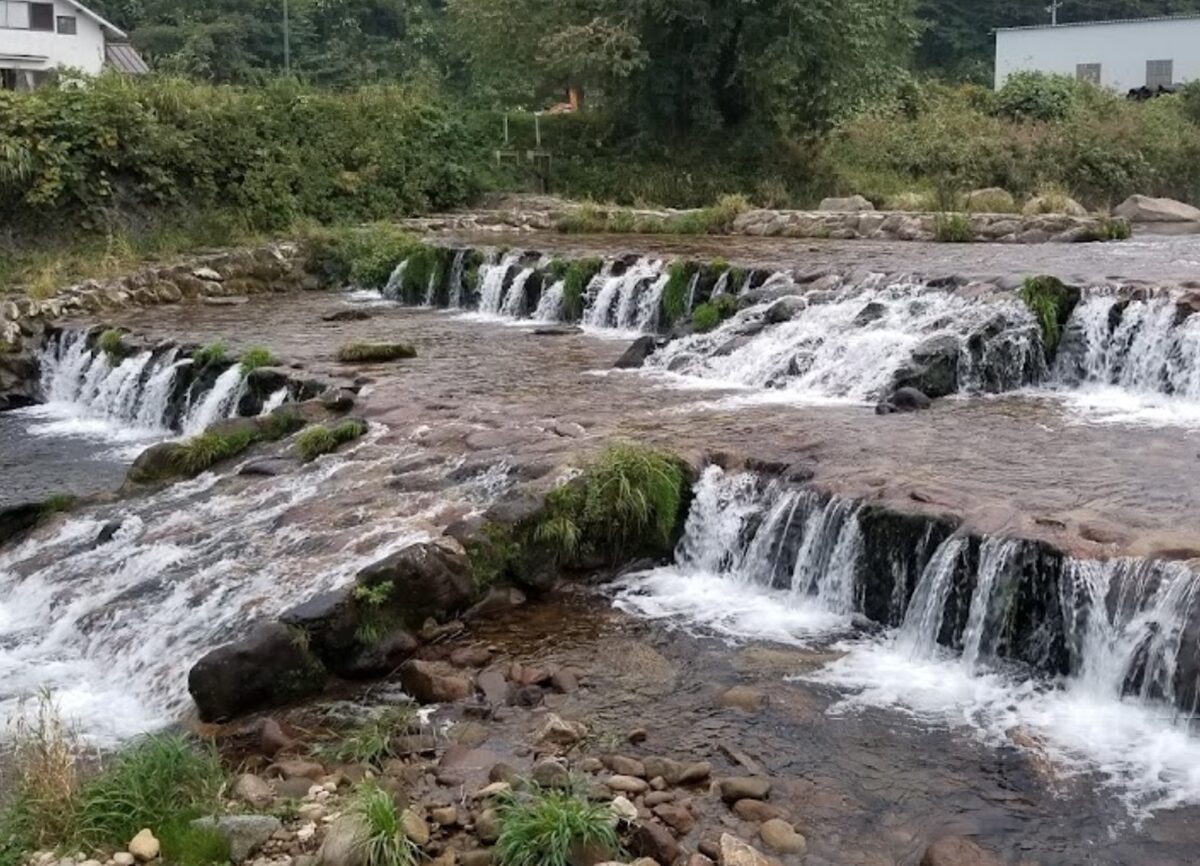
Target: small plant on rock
{"x": 953, "y": 228}
{"x": 542, "y": 828}
{"x": 373, "y": 740}
{"x": 384, "y": 842}
{"x": 256, "y": 357}
{"x": 110, "y": 344}
{"x": 319, "y": 439}
{"x": 1051, "y": 303}
{"x": 213, "y": 353}
{"x": 363, "y": 353}
{"x": 202, "y": 452}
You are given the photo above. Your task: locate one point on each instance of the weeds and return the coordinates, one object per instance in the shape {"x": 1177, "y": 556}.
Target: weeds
{"x": 44, "y": 757}
{"x": 213, "y": 353}
{"x": 1051, "y": 303}
{"x": 281, "y": 423}
{"x": 374, "y": 740}
{"x": 207, "y": 449}
{"x": 674, "y": 302}
{"x": 56, "y": 504}
{"x": 110, "y": 344}
{"x": 184, "y": 844}
{"x": 576, "y": 279}
{"x": 256, "y": 357}
{"x": 384, "y": 842}
{"x": 363, "y": 353}
{"x": 542, "y": 828}
{"x": 319, "y": 439}
{"x": 953, "y": 228}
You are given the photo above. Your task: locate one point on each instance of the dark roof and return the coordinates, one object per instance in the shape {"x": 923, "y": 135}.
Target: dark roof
{"x": 1099, "y": 23}
{"x": 124, "y": 57}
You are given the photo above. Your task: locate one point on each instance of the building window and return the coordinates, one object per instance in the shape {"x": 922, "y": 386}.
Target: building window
{"x": 1160, "y": 73}
{"x": 1088, "y": 73}
{"x": 41, "y": 16}
{"x": 66, "y": 25}
{"x": 14, "y": 15}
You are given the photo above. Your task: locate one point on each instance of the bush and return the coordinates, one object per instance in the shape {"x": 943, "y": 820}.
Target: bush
{"x": 626, "y": 502}
{"x": 366, "y": 353}
{"x": 953, "y": 228}
{"x": 541, "y": 828}
{"x": 1037, "y": 96}
{"x": 110, "y": 344}
{"x": 256, "y": 357}
{"x": 320, "y": 440}
{"x": 385, "y": 843}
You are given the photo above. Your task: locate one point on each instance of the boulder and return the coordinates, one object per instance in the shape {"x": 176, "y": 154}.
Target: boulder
{"x": 1143, "y": 209}
{"x": 778, "y": 835}
{"x": 675, "y": 816}
{"x": 663, "y": 768}
{"x": 909, "y": 400}
{"x": 744, "y": 698}
{"x": 344, "y": 843}
{"x": 487, "y": 826}
{"x": 549, "y": 773}
{"x": 244, "y": 834}
{"x": 637, "y": 353}
{"x": 415, "y": 828}
{"x": 269, "y": 667}
{"x": 872, "y": 312}
{"x": 784, "y": 310}
{"x": 651, "y": 839}
{"x": 735, "y": 852}
{"x": 745, "y": 788}
{"x": 253, "y": 791}
{"x": 144, "y": 847}
{"x": 933, "y": 369}
{"x": 625, "y": 766}
{"x": 433, "y": 683}
{"x": 851, "y": 204}
{"x": 695, "y": 774}
{"x": 428, "y": 580}
{"x": 957, "y": 851}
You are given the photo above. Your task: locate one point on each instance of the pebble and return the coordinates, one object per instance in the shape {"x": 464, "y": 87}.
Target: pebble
{"x": 124, "y": 858}
{"x": 626, "y": 784}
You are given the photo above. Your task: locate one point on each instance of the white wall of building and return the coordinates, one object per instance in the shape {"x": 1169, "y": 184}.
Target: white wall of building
{"x": 43, "y": 50}
{"x": 1121, "y": 48}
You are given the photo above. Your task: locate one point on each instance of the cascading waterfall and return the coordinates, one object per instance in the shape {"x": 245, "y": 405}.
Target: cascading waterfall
{"x": 219, "y": 402}
{"x": 273, "y": 402}
{"x": 769, "y": 559}
{"x": 690, "y": 305}
{"x": 852, "y": 346}
{"x": 431, "y": 288}
{"x": 492, "y": 276}
{"x": 456, "y": 280}
{"x": 393, "y": 290}
{"x": 628, "y": 301}
{"x": 550, "y": 307}
{"x": 514, "y": 299}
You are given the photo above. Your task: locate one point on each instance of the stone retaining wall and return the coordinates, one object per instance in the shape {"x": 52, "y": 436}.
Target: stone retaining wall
{"x": 874, "y": 225}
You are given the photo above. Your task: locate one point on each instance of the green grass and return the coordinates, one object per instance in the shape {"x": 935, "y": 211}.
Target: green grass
{"x": 185, "y": 845}
{"x": 674, "y": 302}
{"x": 281, "y": 423}
{"x": 718, "y": 218}
{"x": 256, "y": 357}
{"x": 952, "y": 228}
{"x": 213, "y": 353}
{"x": 205, "y": 450}
{"x": 385, "y": 843}
{"x": 319, "y": 439}
{"x": 541, "y": 828}
{"x": 1049, "y": 300}
{"x": 364, "y": 353}
{"x": 372, "y": 741}
{"x": 110, "y": 344}
{"x": 710, "y": 314}
{"x": 56, "y": 504}
{"x": 627, "y": 501}
{"x": 1110, "y": 229}
{"x": 576, "y": 278}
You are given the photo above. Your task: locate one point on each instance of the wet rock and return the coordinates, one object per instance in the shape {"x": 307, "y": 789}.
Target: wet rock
{"x": 677, "y": 817}
{"x": 735, "y": 852}
{"x": 569, "y": 430}
{"x": 872, "y": 312}
{"x": 493, "y": 686}
{"x": 487, "y": 826}
{"x": 268, "y": 668}
{"x": 564, "y": 682}
{"x": 699, "y": 859}
{"x": 244, "y": 834}
{"x": 627, "y": 784}
{"x": 528, "y": 696}
{"x": 432, "y": 683}
{"x": 296, "y": 768}
{"x": 637, "y": 735}
{"x": 107, "y": 533}
{"x": 558, "y": 331}
{"x": 652, "y": 839}
{"x": 144, "y": 846}
{"x": 471, "y": 657}
{"x": 499, "y": 600}
{"x": 665, "y": 768}
{"x": 625, "y": 766}
{"x": 253, "y": 791}
{"x": 744, "y": 698}
{"x": 340, "y": 400}
{"x": 933, "y": 368}
{"x": 850, "y": 204}
{"x": 909, "y": 400}
{"x": 551, "y": 774}
{"x": 745, "y": 788}
{"x": 347, "y": 316}
{"x": 635, "y": 356}
{"x": 267, "y": 468}
{"x": 624, "y": 809}
{"x": 414, "y": 828}
{"x": 344, "y": 843}
{"x": 590, "y": 765}
{"x": 756, "y": 811}
{"x": 779, "y": 835}
{"x": 428, "y": 580}
{"x": 784, "y": 310}
{"x": 695, "y": 774}
{"x": 957, "y": 851}
{"x": 559, "y": 732}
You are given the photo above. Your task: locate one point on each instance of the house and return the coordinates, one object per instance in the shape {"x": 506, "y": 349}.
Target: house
{"x": 37, "y": 37}
{"x": 1147, "y": 53}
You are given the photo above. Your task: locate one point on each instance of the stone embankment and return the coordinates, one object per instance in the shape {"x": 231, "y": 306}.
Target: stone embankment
{"x": 841, "y": 225}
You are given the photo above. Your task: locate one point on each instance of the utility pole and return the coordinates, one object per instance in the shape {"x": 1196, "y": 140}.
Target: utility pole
{"x": 1052, "y": 9}
{"x": 287, "y": 41}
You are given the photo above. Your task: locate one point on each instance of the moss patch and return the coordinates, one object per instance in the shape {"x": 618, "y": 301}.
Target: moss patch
{"x": 953, "y": 228}
{"x": 319, "y": 439}
{"x": 1051, "y": 301}
{"x": 367, "y": 353}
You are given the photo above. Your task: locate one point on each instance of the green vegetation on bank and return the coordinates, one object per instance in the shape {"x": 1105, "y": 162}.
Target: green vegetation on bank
{"x": 319, "y": 440}
{"x": 374, "y": 353}
{"x": 205, "y": 450}
{"x": 540, "y": 827}
{"x": 710, "y": 314}
{"x": 1051, "y": 301}
{"x": 256, "y": 357}
{"x": 386, "y": 843}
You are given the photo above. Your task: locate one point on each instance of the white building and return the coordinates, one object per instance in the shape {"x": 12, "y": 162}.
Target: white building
{"x": 1122, "y": 55}
{"x": 36, "y": 37}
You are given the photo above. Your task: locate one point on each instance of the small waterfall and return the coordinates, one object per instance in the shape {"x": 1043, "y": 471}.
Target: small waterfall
{"x": 550, "y": 307}
{"x": 722, "y": 285}
{"x": 514, "y": 299}
{"x": 854, "y": 345}
{"x": 990, "y": 602}
{"x": 691, "y": 293}
{"x": 1144, "y": 346}
{"x": 492, "y": 277}
{"x": 923, "y": 621}
{"x": 629, "y": 301}
{"x": 456, "y": 280}
{"x": 394, "y": 290}
{"x": 220, "y": 402}
{"x": 156, "y": 397}
{"x": 431, "y": 289}
{"x": 276, "y": 400}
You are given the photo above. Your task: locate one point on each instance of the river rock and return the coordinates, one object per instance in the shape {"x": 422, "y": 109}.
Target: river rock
{"x": 627, "y": 784}
{"x": 243, "y": 833}
{"x": 433, "y": 683}
{"x": 1143, "y": 209}
{"x": 675, "y": 816}
{"x": 267, "y": 668}
{"x": 651, "y": 839}
{"x": 144, "y": 846}
{"x": 744, "y": 698}
{"x": 957, "y": 851}
{"x": 756, "y": 811}
{"x": 415, "y": 828}
{"x": 557, "y": 731}
{"x": 635, "y": 356}
{"x": 784, "y": 310}
{"x": 428, "y": 580}
{"x": 872, "y": 312}
{"x": 253, "y": 791}
{"x": 351, "y": 315}
{"x": 745, "y": 788}
{"x": 624, "y": 809}
{"x": 487, "y": 826}
{"x": 735, "y": 852}
{"x": 778, "y": 835}
{"x": 344, "y": 843}
{"x": 933, "y": 368}
{"x": 625, "y": 766}
{"x": 665, "y": 768}
{"x": 296, "y": 768}
{"x": 550, "y": 773}
{"x": 123, "y": 858}
{"x": 850, "y": 204}
{"x": 909, "y": 400}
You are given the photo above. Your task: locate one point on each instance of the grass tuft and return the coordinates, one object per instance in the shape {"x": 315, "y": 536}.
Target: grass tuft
{"x": 205, "y": 450}
{"x": 256, "y": 357}
{"x": 384, "y": 843}
{"x": 372, "y": 741}
{"x": 710, "y": 314}
{"x": 361, "y": 353}
{"x": 111, "y": 345}
{"x": 953, "y": 228}
{"x": 213, "y": 353}
{"x": 542, "y": 828}
{"x": 319, "y": 439}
